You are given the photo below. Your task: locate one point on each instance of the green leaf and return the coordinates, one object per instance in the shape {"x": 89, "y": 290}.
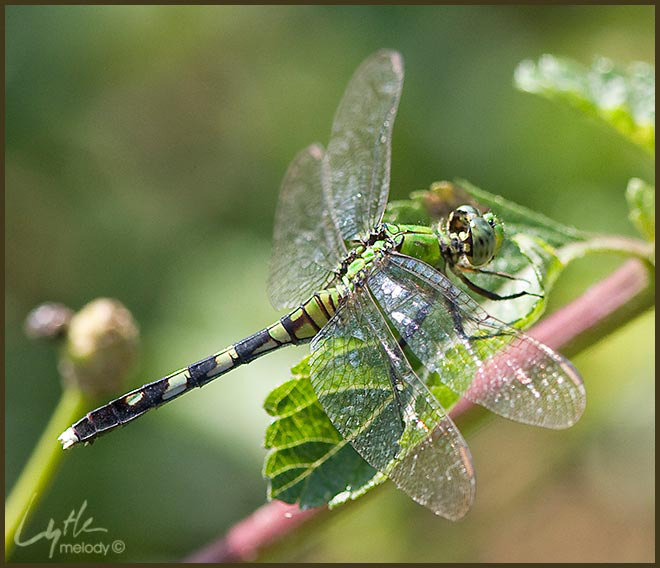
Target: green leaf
{"x": 623, "y": 98}
{"x": 308, "y": 462}
{"x": 641, "y": 201}
{"x": 541, "y": 267}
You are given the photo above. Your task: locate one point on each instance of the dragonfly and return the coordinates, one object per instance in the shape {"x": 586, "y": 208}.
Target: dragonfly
{"x": 369, "y": 295}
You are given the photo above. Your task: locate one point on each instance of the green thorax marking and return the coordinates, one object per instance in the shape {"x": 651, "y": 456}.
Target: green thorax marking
{"x": 417, "y": 241}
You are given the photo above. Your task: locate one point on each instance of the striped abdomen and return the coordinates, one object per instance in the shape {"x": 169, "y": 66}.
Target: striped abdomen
{"x": 300, "y": 326}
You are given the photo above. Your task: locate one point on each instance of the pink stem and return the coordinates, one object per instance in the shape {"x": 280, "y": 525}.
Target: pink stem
{"x": 268, "y": 524}
{"x": 595, "y": 306}
{"x": 273, "y": 521}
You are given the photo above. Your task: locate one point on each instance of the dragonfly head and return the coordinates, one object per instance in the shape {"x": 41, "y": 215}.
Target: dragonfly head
{"x": 481, "y": 234}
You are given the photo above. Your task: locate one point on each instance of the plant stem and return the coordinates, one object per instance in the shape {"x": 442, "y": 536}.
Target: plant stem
{"x": 42, "y": 465}
{"x": 602, "y": 309}
{"x": 606, "y": 244}
{"x": 268, "y": 523}
{"x": 608, "y": 305}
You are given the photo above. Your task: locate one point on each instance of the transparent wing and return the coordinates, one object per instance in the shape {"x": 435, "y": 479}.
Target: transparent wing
{"x": 306, "y": 243}
{"x": 376, "y": 401}
{"x": 487, "y": 361}
{"x": 358, "y": 155}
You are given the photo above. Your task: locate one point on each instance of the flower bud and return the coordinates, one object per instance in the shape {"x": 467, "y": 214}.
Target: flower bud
{"x": 101, "y": 347}
{"x": 49, "y": 321}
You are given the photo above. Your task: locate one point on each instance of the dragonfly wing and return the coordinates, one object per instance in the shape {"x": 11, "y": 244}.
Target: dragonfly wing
{"x": 474, "y": 354}
{"x": 375, "y": 400}
{"x": 358, "y": 155}
{"x": 306, "y": 243}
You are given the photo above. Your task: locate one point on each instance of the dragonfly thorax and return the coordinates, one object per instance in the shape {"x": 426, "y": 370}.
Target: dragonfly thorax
{"x": 412, "y": 240}
{"x": 355, "y": 267}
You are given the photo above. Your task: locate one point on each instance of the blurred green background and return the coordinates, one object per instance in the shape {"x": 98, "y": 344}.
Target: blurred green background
{"x": 144, "y": 151}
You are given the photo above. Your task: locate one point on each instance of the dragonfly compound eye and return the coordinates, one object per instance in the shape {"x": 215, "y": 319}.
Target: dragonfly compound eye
{"x": 480, "y": 236}
{"x": 486, "y": 240}
{"x": 498, "y": 230}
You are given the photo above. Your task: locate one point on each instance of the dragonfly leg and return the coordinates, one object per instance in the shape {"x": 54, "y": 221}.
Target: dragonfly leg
{"x": 487, "y": 293}
{"x": 494, "y": 273}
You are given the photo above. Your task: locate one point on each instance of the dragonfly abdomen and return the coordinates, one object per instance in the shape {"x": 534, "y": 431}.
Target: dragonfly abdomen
{"x": 299, "y": 326}
{"x": 305, "y": 322}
